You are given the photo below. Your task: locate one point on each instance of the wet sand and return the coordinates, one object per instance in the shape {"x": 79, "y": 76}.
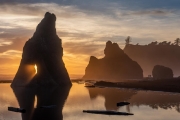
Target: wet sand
{"x": 168, "y": 85}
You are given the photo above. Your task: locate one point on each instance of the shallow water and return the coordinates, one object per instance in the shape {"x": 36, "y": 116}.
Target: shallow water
{"x": 70, "y": 102}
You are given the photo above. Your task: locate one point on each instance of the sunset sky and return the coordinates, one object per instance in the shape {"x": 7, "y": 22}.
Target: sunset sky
{"x": 84, "y": 27}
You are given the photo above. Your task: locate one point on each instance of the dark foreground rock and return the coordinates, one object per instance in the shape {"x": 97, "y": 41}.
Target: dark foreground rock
{"x": 115, "y": 65}
{"x": 162, "y": 72}
{"x": 45, "y": 51}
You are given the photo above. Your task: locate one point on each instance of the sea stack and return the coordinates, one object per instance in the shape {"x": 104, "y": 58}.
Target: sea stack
{"x": 116, "y": 65}
{"x": 45, "y": 51}
{"x": 162, "y": 72}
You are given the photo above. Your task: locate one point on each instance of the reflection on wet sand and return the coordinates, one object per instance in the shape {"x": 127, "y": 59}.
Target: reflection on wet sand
{"x": 46, "y": 96}
{"x": 79, "y": 99}
{"x": 137, "y": 98}
{"x": 157, "y": 100}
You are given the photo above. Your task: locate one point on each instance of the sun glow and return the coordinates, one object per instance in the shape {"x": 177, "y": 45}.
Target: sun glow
{"x": 35, "y": 68}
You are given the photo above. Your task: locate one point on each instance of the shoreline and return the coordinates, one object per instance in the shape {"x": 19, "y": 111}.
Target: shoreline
{"x": 163, "y": 85}
{"x": 169, "y": 85}
{"x": 6, "y": 81}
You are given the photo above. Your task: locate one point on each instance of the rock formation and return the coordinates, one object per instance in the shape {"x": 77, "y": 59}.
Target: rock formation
{"x": 45, "y": 51}
{"x": 161, "y": 72}
{"x": 115, "y": 65}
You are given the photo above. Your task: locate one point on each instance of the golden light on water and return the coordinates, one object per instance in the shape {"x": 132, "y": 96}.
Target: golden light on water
{"x": 35, "y": 68}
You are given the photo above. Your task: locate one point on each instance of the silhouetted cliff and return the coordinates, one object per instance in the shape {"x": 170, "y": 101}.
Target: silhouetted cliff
{"x": 115, "y": 65}
{"x": 45, "y": 51}
{"x": 153, "y": 54}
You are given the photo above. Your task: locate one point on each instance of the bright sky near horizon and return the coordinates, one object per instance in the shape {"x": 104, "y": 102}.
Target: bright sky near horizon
{"x": 84, "y": 27}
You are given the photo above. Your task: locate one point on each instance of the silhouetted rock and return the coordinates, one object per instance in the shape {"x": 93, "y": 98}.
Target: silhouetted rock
{"x": 115, "y": 65}
{"x": 45, "y": 51}
{"x": 161, "y": 72}
{"x": 155, "y": 53}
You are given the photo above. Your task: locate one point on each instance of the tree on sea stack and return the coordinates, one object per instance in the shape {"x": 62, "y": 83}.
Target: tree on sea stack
{"x": 177, "y": 41}
{"x": 128, "y": 40}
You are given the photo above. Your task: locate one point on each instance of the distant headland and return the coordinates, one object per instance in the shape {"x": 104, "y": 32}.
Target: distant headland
{"x": 155, "y": 53}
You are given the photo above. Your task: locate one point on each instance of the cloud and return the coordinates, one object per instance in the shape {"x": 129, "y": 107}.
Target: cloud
{"x": 12, "y": 54}
{"x": 4, "y": 43}
{"x": 154, "y": 12}
{"x": 98, "y": 5}
{"x": 74, "y": 9}
{"x": 9, "y": 64}
{"x": 86, "y": 48}
{"x": 37, "y": 10}
{"x": 77, "y": 36}
{"x": 148, "y": 4}
{"x": 16, "y": 44}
